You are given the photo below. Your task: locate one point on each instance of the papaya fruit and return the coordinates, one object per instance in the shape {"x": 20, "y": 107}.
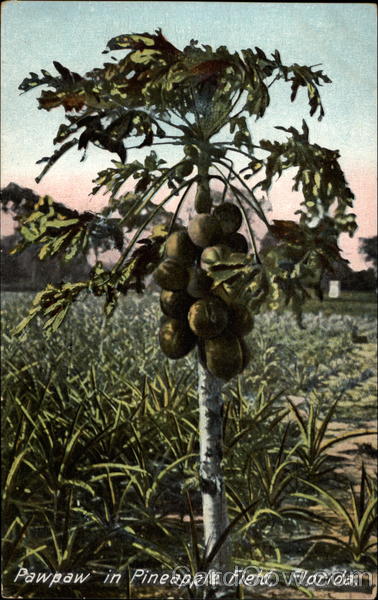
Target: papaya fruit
{"x": 240, "y": 320}
{"x": 204, "y": 230}
{"x": 229, "y": 216}
{"x": 180, "y": 247}
{"x": 208, "y": 317}
{"x": 184, "y": 169}
{"x": 237, "y": 242}
{"x": 224, "y": 355}
{"x": 199, "y": 283}
{"x": 175, "y": 338}
{"x": 171, "y": 275}
{"x": 175, "y": 304}
{"x": 214, "y": 254}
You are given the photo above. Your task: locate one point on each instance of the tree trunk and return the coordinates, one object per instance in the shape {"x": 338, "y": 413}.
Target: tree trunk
{"x": 215, "y": 518}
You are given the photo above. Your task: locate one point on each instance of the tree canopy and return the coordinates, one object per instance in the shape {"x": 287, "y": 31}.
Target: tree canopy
{"x": 157, "y": 94}
{"x": 369, "y": 247}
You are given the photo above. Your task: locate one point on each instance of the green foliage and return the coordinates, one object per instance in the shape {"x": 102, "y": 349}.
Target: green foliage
{"x": 116, "y": 446}
{"x": 54, "y": 302}
{"x": 369, "y": 247}
{"x": 313, "y": 446}
{"x": 360, "y": 520}
{"x": 320, "y": 177}
{"x": 18, "y": 200}
{"x": 54, "y": 228}
{"x": 165, "y": 76}
{"x": 159, "y": 94}
{"x": 59, "y": 230}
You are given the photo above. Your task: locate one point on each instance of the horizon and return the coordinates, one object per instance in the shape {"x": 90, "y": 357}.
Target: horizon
{"x": 110, "y": 256}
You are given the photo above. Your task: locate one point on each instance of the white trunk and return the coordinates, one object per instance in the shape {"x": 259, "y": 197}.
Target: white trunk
{"x": 215, "y": 519}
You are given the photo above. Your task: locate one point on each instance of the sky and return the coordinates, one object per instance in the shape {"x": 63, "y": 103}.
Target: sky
{"x": 340, "y": 36}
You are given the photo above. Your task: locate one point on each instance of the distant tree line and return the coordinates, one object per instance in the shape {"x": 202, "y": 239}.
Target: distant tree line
{"x": 362, "y": 281}
{"x": 24, "y": 270}
{"x": 369, "y": 247}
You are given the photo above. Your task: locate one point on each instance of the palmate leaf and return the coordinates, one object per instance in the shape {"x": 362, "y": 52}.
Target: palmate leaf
{"x": 143, "y": 261}
{"x": 108, "y": 136}
{"x": 166, "y": 76}
{"x": 56, "y": 229}
{"x": 138, "y": 207}
{"x": 242, "y": 135}
{"x": 303, "y": 76}
{"x": 114, "y": 177}
{"x": 236, "y": 276}
{"x": 143, "y": 74}
{"x": 276, "y": 282}
{"x": 231, "y": 269}
{"x": 74, "y": 92}
{"x": 53, "y": 302}
{"x": 94, "y": 132}
{"x": 302, "y": 255}
{"x": 319, "y": 175}
{"x": 156, "y": 74}
{"x": 306, "y": 77}
{"x": 148, "y": 173}
{"x": 136, "y": 123}
{"x": 142, "y": 41}
{"x": 128, "y": 123}
{"x": 29, "y": 83}
{"x": 257, "y": 69}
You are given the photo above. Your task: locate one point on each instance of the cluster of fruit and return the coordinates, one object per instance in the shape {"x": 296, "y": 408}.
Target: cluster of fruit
{"x": 194, "y": 313}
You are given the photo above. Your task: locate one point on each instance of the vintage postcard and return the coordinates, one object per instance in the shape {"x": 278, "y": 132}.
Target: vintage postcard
{"x": 189, "y": 295}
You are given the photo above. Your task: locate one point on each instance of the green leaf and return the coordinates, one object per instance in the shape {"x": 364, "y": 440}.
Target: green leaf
{"x": 30, "y": 83}
{"x": 58, "y": 228}
{"x": 53, "y": 301}
{"x": 319, "y": 175}
{"x": 22, "y": 325}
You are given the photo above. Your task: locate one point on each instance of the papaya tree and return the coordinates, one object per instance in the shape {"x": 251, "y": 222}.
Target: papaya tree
{"x": 201, "y": 102}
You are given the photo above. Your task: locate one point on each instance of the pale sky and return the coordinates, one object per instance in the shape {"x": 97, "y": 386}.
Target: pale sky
{"x": 341, "y": 36}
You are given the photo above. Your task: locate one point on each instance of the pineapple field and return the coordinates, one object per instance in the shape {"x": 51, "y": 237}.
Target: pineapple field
{"x": 100, "y": 451}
